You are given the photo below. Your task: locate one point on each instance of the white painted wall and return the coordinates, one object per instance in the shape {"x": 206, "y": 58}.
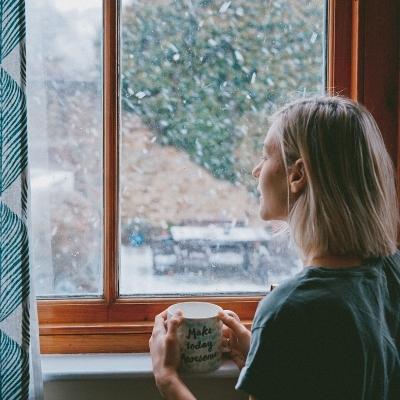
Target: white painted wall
{"x": 136, "y": 388}
{"x": 125, "y": 377}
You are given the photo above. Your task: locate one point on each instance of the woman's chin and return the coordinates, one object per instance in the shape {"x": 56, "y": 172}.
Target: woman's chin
{"x": 266, "y": 215}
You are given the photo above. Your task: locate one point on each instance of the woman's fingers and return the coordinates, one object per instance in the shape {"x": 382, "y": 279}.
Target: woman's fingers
{"x": 159, "y": 323}
{"x": 225, "y": 330}
{"x": 232, "y": 322}
{"x": 229, "y": 342}
{"x": 164, "y": 343}
{"x": 237, "y": 358}
{"x": 173, "y": 324}
{"x": 164, "y": 326}
{"x": 232, "y": 314}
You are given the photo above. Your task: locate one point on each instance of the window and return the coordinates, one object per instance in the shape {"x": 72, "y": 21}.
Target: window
{"x": 198, "y": 81}
{"x": 174, "y": 60}
{"x": 65, "y": 117}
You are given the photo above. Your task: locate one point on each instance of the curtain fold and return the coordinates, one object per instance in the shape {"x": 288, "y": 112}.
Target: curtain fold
{"x": 20, "y": 376}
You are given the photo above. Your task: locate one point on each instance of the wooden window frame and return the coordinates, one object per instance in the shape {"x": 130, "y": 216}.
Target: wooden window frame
{"x": 354, "y": 68}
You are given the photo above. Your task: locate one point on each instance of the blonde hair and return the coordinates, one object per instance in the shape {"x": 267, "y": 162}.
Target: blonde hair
{"x": 349, "y": 205}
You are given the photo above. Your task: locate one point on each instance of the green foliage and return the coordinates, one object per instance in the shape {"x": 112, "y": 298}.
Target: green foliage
{"x": 192, "y": 70}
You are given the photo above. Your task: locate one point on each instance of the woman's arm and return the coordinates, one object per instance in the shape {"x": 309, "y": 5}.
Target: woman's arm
{"x": 172, "y": 388}
{"x": 165, "y": 356}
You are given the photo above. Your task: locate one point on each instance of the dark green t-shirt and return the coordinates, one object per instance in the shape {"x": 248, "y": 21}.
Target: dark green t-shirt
{"x": 328, "y": 334}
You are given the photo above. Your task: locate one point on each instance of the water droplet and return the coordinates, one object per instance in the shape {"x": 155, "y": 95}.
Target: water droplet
{"x": 239, "y": 56}
{"x": 140, "y": 95}
{"x": 313, "y": 37}
{"x": 224, "y": 7}
{"x": 239, "y": 12}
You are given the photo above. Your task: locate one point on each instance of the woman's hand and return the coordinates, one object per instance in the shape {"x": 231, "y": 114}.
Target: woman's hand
{"x": 164, "y": 347}
{"x": 236, "y": 337}
{"x": 165, "y": 356}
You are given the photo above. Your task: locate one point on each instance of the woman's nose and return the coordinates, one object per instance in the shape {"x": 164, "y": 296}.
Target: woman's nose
{"x": 256, "y": 171}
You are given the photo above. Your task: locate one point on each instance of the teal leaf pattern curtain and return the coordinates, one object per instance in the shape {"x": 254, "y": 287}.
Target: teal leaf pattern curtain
{"x": 20, "y": 376}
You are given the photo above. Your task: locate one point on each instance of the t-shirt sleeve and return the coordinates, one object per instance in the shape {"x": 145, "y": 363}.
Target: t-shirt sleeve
{"x": 278, "y": 366}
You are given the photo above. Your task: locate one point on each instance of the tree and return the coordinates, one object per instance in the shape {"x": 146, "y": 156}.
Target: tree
{"x": 197, "y": 70}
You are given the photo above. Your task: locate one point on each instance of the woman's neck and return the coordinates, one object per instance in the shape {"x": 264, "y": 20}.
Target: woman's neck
{"x": 333, "y": 261}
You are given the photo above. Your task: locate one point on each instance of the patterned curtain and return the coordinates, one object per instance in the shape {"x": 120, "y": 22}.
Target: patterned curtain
{"x": 19, "y": 357}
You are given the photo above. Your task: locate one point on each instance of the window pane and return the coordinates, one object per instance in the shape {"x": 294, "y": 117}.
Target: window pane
{"x": 65, "y": 139}
{"x": 198, "y": 81}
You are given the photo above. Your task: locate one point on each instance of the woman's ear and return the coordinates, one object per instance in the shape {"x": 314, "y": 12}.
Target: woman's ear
{"x": 297, "y": 177}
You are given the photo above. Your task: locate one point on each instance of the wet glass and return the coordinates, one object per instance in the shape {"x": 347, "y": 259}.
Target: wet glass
{"x": 64, "y": 86}
{"x": 199, "y": 80}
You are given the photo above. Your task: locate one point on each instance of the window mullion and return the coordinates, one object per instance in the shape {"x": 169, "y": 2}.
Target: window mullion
{"x": 340, "y": 22}
{"x": 110, "y": 148}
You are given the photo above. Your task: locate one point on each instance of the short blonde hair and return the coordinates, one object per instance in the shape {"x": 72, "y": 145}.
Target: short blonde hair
{"x": 349, "y": 206}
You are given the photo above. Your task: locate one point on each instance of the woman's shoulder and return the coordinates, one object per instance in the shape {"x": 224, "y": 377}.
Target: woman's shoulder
{"x": 392, "y": 262}
{"x": 282, "y": 299}
{"x": 315, "y": 291}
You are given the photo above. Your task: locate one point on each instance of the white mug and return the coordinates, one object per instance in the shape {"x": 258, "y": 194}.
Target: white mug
{"x": 200, "y": 336}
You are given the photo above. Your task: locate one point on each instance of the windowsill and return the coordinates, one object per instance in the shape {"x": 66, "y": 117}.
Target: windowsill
{"x": 57, "y": 367}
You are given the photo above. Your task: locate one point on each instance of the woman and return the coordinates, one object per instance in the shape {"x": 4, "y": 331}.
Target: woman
{"x": 333, "y": 330}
